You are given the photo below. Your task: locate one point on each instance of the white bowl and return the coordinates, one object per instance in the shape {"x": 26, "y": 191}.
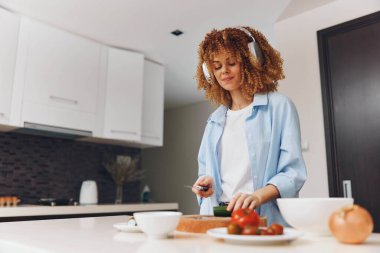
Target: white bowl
{"x": 311, "y": 215}
{"x": 157, "y": 225}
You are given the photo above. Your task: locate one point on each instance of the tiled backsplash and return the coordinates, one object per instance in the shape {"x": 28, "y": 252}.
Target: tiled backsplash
{"x": 34, "y": 167}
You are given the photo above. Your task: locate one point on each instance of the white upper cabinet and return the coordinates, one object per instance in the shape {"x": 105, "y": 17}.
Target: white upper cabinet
{"x": 153, "y": 104}
{"x": 56, "y": 78}
{"x": 124, "y": 95}
{"x": 9, "y": 27}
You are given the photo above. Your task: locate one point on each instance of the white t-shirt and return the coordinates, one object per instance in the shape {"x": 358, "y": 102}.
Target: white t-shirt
{"x": 235, "y": 166}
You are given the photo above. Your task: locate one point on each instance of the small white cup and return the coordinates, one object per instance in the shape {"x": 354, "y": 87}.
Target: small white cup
{"x": 157, "y": 225}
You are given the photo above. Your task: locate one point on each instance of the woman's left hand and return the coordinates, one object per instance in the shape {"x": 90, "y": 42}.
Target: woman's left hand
{"x": 253, "y": 200}
{"x": 244, "y": 200}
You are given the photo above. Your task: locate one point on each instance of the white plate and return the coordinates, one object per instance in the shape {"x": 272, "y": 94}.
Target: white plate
{"x": 124, "y": 227}
{"x": 221, "y": 233}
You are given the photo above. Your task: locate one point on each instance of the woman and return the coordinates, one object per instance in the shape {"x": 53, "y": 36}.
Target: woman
{"x": 250, "y": 153}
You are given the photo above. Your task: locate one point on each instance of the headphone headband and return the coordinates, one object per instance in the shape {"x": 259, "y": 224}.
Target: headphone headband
{"x": 246, "y": 32}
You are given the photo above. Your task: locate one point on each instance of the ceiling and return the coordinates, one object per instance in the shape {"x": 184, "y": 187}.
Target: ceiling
{"x": 145, "y": 26}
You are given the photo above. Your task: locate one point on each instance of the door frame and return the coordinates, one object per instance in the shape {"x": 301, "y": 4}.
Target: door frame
{"x": 334, "y": 178}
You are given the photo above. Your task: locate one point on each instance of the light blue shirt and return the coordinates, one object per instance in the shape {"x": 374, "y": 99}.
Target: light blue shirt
{"x": 274, "y": 145}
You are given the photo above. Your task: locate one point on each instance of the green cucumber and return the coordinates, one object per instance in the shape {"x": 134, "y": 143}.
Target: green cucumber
{"x": 221, "y": 211}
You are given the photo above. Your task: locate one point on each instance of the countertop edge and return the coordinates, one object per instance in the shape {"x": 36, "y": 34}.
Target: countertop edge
{"x": 83, "y": 209}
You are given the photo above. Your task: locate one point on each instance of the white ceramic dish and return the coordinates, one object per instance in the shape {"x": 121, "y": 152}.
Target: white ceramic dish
{"x": 157, "y": 225}
{"x": 310, "y": 215}
{"x": 288, "y": 236}
{"x": 124, "y": 227}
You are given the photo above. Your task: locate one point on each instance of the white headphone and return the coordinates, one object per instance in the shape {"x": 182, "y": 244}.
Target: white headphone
{"x": 253, "y": 47}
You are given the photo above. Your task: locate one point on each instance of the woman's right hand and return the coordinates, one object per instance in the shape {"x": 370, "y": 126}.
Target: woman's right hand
{"x": 204, "y": 181}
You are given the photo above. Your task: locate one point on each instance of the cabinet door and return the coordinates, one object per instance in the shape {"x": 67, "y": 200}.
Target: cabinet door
{"x": 124, "y": 82}
{"x": 62, "y": 68}
{"x": 9, "y": 26}
{"x": 153, "y": 105}
{"x": 57, "y": 77}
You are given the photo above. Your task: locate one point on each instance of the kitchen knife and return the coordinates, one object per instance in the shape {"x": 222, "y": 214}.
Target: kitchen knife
{"x": 198, "y": 187}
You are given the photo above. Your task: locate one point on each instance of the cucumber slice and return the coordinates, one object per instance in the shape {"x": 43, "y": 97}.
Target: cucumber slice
{"x": 221, "y": 211}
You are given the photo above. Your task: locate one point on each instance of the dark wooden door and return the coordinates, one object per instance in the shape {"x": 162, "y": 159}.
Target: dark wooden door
{"x": 350, "y": 74}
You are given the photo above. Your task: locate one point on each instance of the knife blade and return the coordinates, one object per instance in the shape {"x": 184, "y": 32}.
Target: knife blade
{"x": 198, "y": 187}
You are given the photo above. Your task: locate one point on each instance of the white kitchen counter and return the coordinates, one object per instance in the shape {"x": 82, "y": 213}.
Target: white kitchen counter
{"x": 25, "y": 211}
{"x": 96, "y": 235}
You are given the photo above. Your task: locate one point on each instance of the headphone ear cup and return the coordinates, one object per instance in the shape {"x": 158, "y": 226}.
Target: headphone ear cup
{"x": 206, "y": 73}
{"x": 256, "y": 51}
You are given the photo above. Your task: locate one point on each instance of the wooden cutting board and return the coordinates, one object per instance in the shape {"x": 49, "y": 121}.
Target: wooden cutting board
{"x": 202, "y": 223}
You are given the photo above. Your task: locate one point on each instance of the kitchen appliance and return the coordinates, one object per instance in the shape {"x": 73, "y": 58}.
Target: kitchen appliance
{"x": 52, "y": 131}
{"x": 88, "y": 193}
{"x": 57, "y": 202}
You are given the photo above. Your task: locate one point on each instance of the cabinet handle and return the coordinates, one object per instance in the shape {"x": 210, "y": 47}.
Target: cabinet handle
{"x": 347, "y": 193}
{"x": 150, "y": 136}
{"x": 123, "y": 132}
{"x": 67, "y": 100}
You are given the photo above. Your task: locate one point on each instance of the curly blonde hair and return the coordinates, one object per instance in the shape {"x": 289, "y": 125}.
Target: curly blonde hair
{"x": 256, "y": 77}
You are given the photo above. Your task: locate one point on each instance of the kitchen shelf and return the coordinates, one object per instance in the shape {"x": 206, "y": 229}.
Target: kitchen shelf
{"x": 35, "y": 212}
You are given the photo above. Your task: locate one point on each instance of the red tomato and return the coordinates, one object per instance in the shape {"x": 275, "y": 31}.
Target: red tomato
{"x": 277, "y": 229}
{"x": 263, "y": 231}
{"x": 233, "y": 229}
{"x": 250, "y": 230}
{"x": 270, "y": 231}
{"x": 267, "y": 231}
{"x": 244, "y": 217}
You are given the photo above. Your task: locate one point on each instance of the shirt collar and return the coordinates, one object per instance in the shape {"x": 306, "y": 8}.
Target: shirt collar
{"x": 260, "y": 99}
{"x": 219, "y": 115}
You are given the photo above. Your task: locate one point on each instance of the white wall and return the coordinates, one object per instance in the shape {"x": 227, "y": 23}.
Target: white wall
{"x": 296, "y": 39}
{"x": 169, "y": 168}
